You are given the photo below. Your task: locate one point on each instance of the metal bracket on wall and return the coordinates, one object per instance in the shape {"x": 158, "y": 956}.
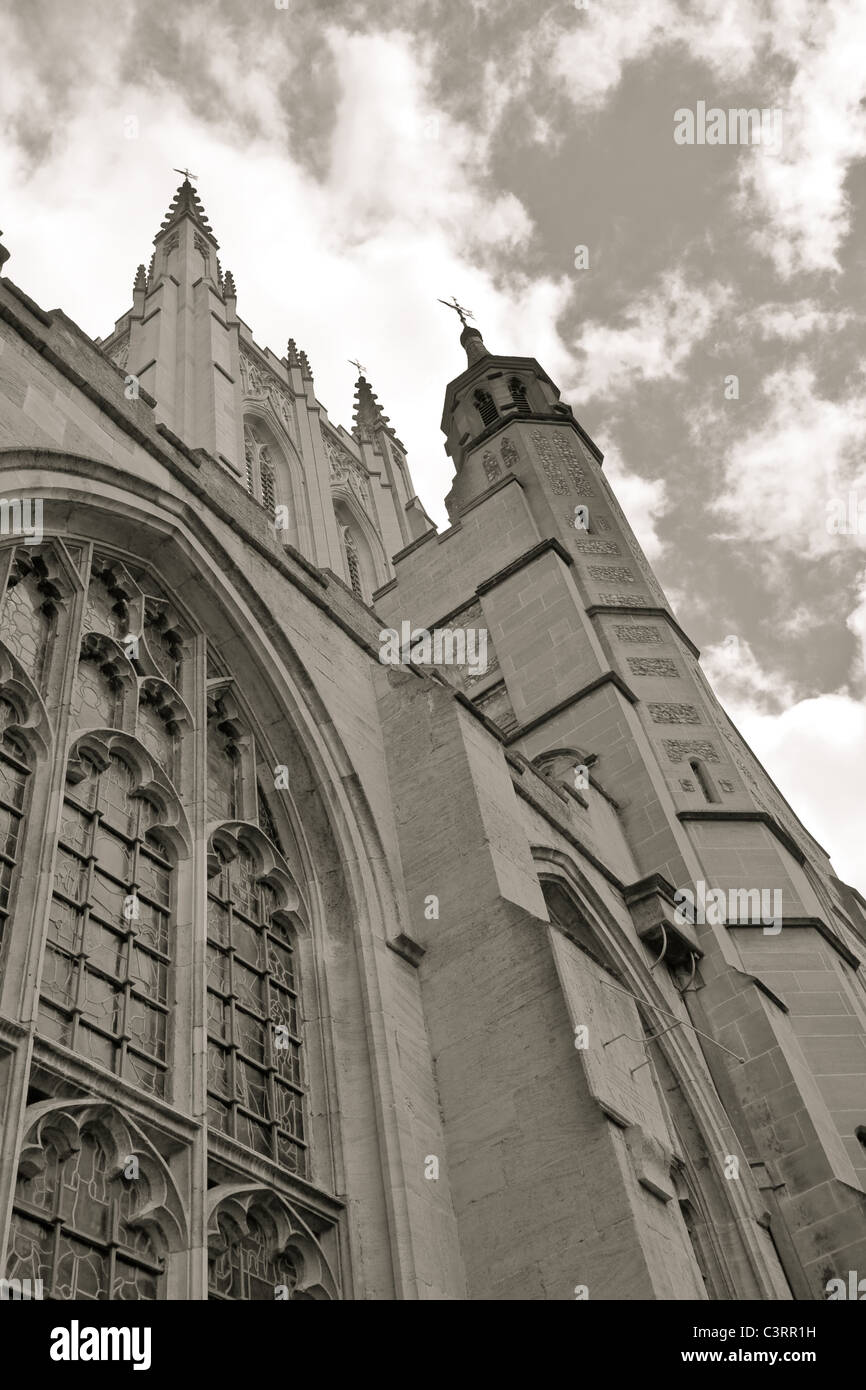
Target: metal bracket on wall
{"x": 659, "y": 1010}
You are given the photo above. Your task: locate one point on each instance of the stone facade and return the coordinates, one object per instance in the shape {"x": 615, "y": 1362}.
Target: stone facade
{"x": 326, "y": 976}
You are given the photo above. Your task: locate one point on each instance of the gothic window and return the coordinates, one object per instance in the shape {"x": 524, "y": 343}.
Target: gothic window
{"x": 27, "y": 622}
{"x": 261, "y": 468}
{"x": 248, "y": 1266}
{"x": 352, "y": 563}
{"x": 105, "y": 610}
{"x": 486, "y": 407}
{"x": 254, "y": 1043}
{"x": 223, "y": 768}
{"x": 94, "y": 697}
{"x": 164, "y": 644}
{"x": 73, "y": 1227}
{"x": 267, "y": 476}
{"x": 156, "y": 731}
{"x": 518, "y": 395}
{"x": 266, "y": 820}
{"x": 104, "y": 989}
{"x": 14, "y": 773}
{"x": 704, "y": 780}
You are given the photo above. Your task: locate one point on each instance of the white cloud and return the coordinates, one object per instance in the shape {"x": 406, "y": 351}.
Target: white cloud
{"x": 814, "y": 749}
{"x": 662, "y": 328}
{"x": 802, "y": 188}
{"x": 642, "y": 499}
{"x": 816, "y": 753}
{"x": 804, "y": 318}
{"x": 782, "y": 476}
{"x": 350, "y": 264}
{"x": 802, "y": 58}
{"x": 738, "y": 678}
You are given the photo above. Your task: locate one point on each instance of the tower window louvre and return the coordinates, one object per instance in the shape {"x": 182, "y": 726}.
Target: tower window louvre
{"x": 518, "y": 395}
{"x": 267, "y": 472}
{"x": 486, "y": 407}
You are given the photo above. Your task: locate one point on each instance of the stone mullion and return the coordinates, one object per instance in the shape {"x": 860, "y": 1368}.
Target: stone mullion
{"x": 197, "y": 1044}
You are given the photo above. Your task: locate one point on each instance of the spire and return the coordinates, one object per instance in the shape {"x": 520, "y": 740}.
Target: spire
{"x": 369, "y": 415}
{"x": 140, "y": 279}
{"x": 470, "y": 338}
{"x": 229, "y": 290}
{"x": 473, "y": 343}
{"x": 292, "y": 354}
{"x": 306, "y": 369}
{"x": 186, "y": 203}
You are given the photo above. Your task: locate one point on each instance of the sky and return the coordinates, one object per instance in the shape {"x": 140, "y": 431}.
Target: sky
{"x": 357, "y": 161}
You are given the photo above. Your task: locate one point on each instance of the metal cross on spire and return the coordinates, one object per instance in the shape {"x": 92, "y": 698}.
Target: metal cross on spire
{"x": 458, "y": 309}
{"x": 362, "y": 371}
{"x": 186, "y": 173}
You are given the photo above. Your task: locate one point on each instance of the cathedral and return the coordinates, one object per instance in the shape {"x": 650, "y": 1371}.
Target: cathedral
{"x": 387, "y": 913}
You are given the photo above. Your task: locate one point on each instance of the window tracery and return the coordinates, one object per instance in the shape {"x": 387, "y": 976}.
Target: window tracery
{"x": 73, "y": 1227}
{"x": 254, "y": 1042}
{"x": 247, "y": 1266}
{"x": 28, "y": 619}
{"x": 14, "y": 775}
{"x": 104, "y": 988}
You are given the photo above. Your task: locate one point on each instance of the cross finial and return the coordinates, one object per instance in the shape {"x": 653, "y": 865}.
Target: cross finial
{"x": 186, "y": 173}
{"x": 362, "y": 371}
{"x": 458, "y": 309}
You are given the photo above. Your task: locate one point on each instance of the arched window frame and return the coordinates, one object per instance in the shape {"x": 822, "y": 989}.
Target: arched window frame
{"x": 109, "y": 952}
{"x": 517, "y": 391}
{"x": 297, "y": 1268}
{"x": 704, "y": 780}
{"x": 15, "y": 787}
{"x": 143, "y": 1225}
{"x": 256, "y": 1068}
{"x": 486, "y": 407}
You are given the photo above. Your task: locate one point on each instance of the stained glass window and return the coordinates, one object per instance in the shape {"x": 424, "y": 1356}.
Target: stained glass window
{"x": 254, "y": 1043}
{"x": 266, "y": 820}
{"x": 104, "y": 989}
{"x": 14, "y": 773}
{"x": 73, "y": 1227}
{"x": 105, "y": 609}
{"x": 164, "y": 644}
{"x": 94, "y": 696}
{"x": 156, "y": 731}
{"x": 28, "y": 617}
{"x": 249, "y": 1266}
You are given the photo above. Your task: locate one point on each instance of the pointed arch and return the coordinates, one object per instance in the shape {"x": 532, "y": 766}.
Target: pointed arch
{"x": 486, "y": 407}
{"x": 97, "y": 1212}
{"x": 363, "y": 554}
{"x": 104, "y": 988}
{"x": 260, "y": 1247}
{"x": 517, "y": 391}
{"x": 275, "y": 475}
{"x": 256, "y": 1081}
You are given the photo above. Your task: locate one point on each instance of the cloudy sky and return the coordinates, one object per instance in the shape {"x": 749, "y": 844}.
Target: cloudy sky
{"x": 357, "y": 160}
